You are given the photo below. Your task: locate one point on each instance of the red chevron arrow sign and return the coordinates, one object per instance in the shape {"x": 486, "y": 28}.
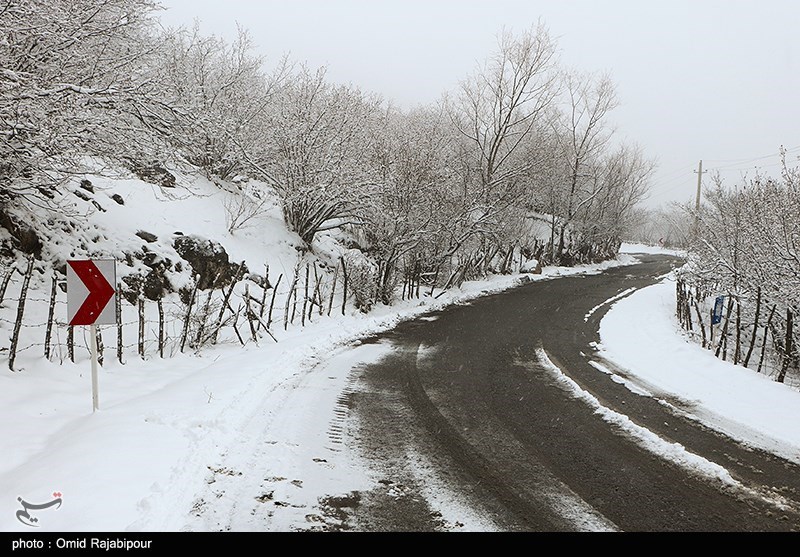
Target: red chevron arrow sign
{"x": 89, "y": 289}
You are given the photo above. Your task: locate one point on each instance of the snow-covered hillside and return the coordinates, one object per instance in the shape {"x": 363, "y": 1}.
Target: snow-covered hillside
{"x": 140, "y": 224}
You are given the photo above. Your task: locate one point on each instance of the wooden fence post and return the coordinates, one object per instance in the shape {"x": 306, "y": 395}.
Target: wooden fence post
{"x": 4, "y": 286}
{"x": 344, "y": 285}
{"x": 700, "y": 320}
{"x": 788, "y": 348}
{"x": 292, "y": 294}
{"x": 250, "y": 314}
{"x": 236, "y": 278}
{"x": 737, "y": 354}
{"x": 318, "y": 291}
{"x": 333, "y": 288}
{"x": 272, "y": 302}
{"x": 305, "y": 301}
{"x": 141, "y": 325}
{"x": 99, "y": 344}
{"x": 724, "y": 334}
{"x": 766, "y": 333}
{"x": 160, "y": 328}
{"x": 264, "y": 292}
{"x": 12, "y": 352}
{"x": 71, "y": 343}
{"x": 755, "y": 329}
{"x": 185, "y": 332}
{"x": 50, "y": 315}
{"x": 204, "y": 319}
{"x": 118, "y": 308}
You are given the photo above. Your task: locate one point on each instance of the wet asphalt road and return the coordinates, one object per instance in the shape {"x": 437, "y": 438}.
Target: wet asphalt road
{"x": 468, "y": 393}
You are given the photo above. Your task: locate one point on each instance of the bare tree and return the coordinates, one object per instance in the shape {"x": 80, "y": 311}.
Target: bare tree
{"x": 583, "y": 136}
{"x": 313, "y": 152}
{"x": 220, "y": 91}
{"x": 617, "y": 184}
{"x": 498, "y": 112}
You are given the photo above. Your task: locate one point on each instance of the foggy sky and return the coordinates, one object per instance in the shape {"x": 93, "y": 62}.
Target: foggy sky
{"x": 717, "y": 80}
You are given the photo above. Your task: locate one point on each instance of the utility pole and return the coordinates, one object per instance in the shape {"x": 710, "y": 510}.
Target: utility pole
{"x": 697, "y": 200}
{"x": 699, "y": 182}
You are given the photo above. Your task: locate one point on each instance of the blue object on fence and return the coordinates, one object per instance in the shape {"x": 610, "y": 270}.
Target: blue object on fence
{"x": 716, "y": 317}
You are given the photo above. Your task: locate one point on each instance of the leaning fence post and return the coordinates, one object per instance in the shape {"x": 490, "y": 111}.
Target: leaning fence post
{"x": 201, "y": 327}
{"x": 333, "y": 288}
{"x": 344, "y": 285}
{"x": 4, "y": 286}
{"x": 227, "y": 297}
{"x": 305, "y": 301}
{"x": 318, "y": 291}
{"x": 289, "y": 300}
{"x": 272, "y": 301}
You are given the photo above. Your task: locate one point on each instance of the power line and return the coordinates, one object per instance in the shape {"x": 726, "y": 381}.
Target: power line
{"x": 746, "y": 160}
{"x": 755, "y": 167}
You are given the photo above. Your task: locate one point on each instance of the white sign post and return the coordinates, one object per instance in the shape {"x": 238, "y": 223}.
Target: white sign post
{"x": 90, "y": 286}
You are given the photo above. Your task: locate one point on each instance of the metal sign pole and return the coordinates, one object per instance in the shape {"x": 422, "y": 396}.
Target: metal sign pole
{"x": 93, "y": 343}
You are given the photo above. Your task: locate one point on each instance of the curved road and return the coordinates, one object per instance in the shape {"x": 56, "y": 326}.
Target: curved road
{"x": 496, "y": 404}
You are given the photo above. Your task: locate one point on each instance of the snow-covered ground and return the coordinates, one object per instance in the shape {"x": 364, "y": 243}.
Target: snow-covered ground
{"x": 168, "y": 431}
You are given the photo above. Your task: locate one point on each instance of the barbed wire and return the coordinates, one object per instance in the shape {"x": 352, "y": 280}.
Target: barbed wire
{"x": 174, "y": 311}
